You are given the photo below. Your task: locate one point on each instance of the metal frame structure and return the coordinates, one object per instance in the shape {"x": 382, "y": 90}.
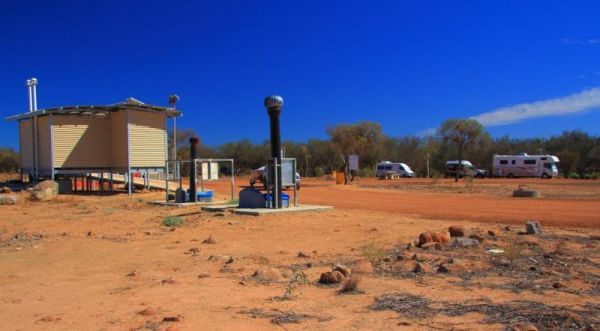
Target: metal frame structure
{"x": 271, "y": 189}
{"x": 176, "y": 175}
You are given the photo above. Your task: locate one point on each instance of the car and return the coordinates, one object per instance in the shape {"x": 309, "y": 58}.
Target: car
{"x": 465, "y": 169}
{"x": 258, "y": 175}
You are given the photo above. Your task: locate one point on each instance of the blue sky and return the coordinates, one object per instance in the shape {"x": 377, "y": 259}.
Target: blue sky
{"x": 407, "y": 64}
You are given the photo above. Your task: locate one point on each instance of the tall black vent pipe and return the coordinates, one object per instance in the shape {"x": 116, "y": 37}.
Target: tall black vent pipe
{"x": 274, "y": 104}
{"x": 193, "y": 155}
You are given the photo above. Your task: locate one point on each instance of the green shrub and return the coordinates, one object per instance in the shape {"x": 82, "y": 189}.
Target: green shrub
{"x": 172, "y": 221}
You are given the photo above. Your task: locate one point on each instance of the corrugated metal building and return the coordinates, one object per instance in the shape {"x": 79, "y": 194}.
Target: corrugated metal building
{"x": 124, "y": 138}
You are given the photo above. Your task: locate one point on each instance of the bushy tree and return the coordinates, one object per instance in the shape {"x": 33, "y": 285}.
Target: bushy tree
{"x": 462, "y": 134}
{"x": 9, "y": 160}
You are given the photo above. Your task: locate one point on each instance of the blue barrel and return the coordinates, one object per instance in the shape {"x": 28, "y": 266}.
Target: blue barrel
{"x": 206, "y": 196}
{"x": 285, "y": 199}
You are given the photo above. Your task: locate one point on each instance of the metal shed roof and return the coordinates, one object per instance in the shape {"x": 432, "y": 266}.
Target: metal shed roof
{"x": 103, "y": 110}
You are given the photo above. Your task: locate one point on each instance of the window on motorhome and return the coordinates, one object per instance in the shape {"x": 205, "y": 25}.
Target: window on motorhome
{"x": 514, "y": 162}
{"x": 529, "y": 162}
{"x": 503, "y": 161}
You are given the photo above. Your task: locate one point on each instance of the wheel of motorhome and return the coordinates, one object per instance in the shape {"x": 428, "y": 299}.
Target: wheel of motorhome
{"x": 545, "y": 176}
{"x": 510, "y": 175}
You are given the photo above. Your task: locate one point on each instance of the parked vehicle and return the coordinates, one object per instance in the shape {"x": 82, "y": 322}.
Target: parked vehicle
{"x": 259, "y": 174}
{"x": 466, "y": 168}
{"x": 386, "y": 168}
{"x": 523, "y": 165}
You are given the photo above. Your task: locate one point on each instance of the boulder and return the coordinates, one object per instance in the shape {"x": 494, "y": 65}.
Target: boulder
{"x": 342, "y": 269}
{"x": 493, "y": 233}
{"x": 8, "y": 199}
{"x": 5, "y": 189}
{"x": 533, "y": 227}
{"x": 44, "y": 191}
{"x": 210, "y": 240}
{"x": 362, "y": 267}
{"x": 456, "y": 231}
{"x": 267, "y": 274}
{"x": 432, "y": 246}
{"x": 427, "y": 237}
{"x": 464, "y": 242}
{"x": 331, "y": 277}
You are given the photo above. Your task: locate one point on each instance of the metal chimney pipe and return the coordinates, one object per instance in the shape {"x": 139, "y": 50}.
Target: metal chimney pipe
{"x": 34, "y": 83}
{"x": 274, "y": 104}
{"x": 30, "y": 94}
{"x": 193, "y": 155}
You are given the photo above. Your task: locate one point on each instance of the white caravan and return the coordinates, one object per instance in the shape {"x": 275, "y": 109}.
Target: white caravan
{"x": 524, "y": 165}
{"x": 386, "y": 168}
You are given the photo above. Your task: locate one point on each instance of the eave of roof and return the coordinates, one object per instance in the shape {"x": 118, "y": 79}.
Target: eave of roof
{"x": 91, "y": 109}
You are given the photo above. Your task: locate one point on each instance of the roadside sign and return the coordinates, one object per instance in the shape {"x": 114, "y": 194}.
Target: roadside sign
{"x": 353, "y": 160}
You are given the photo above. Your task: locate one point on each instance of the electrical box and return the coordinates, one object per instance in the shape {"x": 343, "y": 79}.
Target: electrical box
{"x": 210, "y": 170}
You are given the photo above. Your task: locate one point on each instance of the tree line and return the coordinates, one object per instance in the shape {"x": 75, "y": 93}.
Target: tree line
{"x": 455, "y": 139}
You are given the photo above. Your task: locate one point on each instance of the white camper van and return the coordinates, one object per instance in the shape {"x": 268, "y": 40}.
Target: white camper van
{"x": 386, "y": 169}
{"x": 524, "y": 165}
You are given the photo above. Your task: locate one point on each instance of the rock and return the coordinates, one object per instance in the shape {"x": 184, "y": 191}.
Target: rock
{"x": 362, "y": 267}
{"x": 147, "y": 312}
{"x": 594, "y": 237}
{"x": 504, "y": 262}
{"x": 267, "y": 274}
{"x": 456, "y": 231}
{"x": 507, "y": 228}
{"x": 171, "y": 319}
{"x": 410, "y": 246}
{"x": 464, "y": 242}
{"x": 303, "y": 255}
{"x": 5, "y": 189}
{"x": 342, "y": 269}
{"x": 421, "y": 268}
{"x": 492, "y": 233}
{"x": 443, "y": 269}
{"x": 8, "y": 200}
{"x": 427, "y": 237}
{"x": 169, "y": 281}
{"x": 210, "y": 240}
{"x": 533, "y": 227}
{"x": 558, "y": 285}
{"x": 221, "y": 258}
{"x": 44, "y": 191}
{"x": 477, "y": 237}
{"x": 331, "y": 277}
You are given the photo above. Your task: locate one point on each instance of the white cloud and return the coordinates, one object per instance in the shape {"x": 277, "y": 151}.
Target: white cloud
{"x": 572, "y": 104}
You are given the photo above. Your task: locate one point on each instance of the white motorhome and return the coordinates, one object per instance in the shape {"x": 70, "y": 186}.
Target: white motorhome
{"x": 386, "y": 168}
{"x": 524, "y": 165}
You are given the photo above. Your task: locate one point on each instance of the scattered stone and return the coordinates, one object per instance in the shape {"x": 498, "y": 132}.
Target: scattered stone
{"x": 507, "y": 228}
{"x": 89, "y": 234}
{"x": 342, "y": 269}
{"x": 8, "y": 200}
{"x": 172, "y": 328}
{"x": 49, "y": 319}
{"x": 477, "y": 237}
{"x": 421, "y": 268}
{"x": 465, "y": 242}
{"x": 44, "y": 191}
{"x": 456, "y": 231}
{"x": 147, "y": 312}
{"x": 210, "y": 240}
{"x": 427, "y": 237}
{"x": 194, "y": 251}
{"x": 203, "y": 275}
{"x": 533, "y": 227}
{"x": 594, "y": 237}
{"x": 267, "y": 274}
{"x": 5, "y": 189}
{"x": 558, "y": 285}
{"x": 492, "y": 233}
{"x": 411, "y": 246}
{"x": 132, "y": 274}
{"x": 362, "y": 267}
{"x": 504, "y": 262}
{"x": 171, "y": 319}
{"x": 169, "y": 281}
{"x": 331, "y": 277}
{"x": 303, "y": 255}
{"x": 431, "y": 246}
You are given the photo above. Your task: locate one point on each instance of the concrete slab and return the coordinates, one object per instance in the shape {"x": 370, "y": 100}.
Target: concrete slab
{"x": 265, "y": 211}
{"x": 187, "y": 204}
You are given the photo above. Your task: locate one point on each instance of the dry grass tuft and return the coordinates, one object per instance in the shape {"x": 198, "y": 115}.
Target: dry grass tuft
{"x": 350, "y": 285}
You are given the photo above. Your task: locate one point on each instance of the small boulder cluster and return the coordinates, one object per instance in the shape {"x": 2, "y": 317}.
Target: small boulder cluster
{"x": 340, "y": 272}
